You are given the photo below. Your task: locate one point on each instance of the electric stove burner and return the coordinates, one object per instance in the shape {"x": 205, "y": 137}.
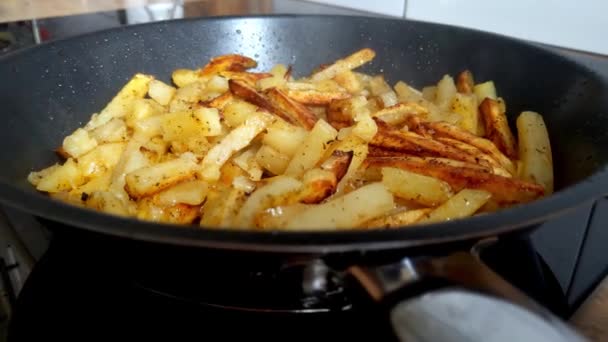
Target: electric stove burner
{"x": 95, "y": 287}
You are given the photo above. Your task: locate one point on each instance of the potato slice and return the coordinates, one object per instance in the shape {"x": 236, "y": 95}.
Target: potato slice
{"x": 399, "y": 219}
{"x": 296, "y": 111}
{"x": 277, "y": 217}
{"x": 466, "y": 107}
{"x": 237, "y": 111}
{"x": 63, "y": 178}
{"x": 446, "y": 90}
{"x": 142, "y": 109}
{"x": 236, "y": 140}
{"x": 107, "y": 202}
{"x": 150, "y": 209}
{"x": 317, "y": 97}
{"x": 247, "y": 161}
{"x": 312, "y": 149}
{"x": 535, "y": 150}
{"x": 101, "y": 159}
{"x": 78, "y": 143}
{"x": 318, "y": 185}
{"x": 152, "y": 179}
{"x": 464, "y": 204}
{"x": 485, "y": 90}
{"x": 398, "y": 114}
{"x": 465, "y": 82}
{"x": 278, "y": 79}
{"x": 249, "y": 78}
{"x": 161, "y": 92}
{"x": 505, "y": 190}
{"x": 251, "y": 95}
{"x": 272, "y": 160}
{"x": 348, "y": 211}
{"x": 123, "y": 102}
{"x": 284, "y": 137}
{"x": 415, "y": 187}
{"x": 189, "y": 192}
{"x": 497, "y": 127}
{"x": 221, "y": 208}
{"x": 220, "y": 102}
{"x": 483, "y": 158}
{"x": 183, "y": 77}
{"x": 353, "y": 61}
{"x": 35, "y": 177}
{"x": 274, "y": 193}
{"x": 349, "y": 81}
{"x": 230, "y": 62}
{"x": 114, "y": 130}
{"x": 451, "y": 131}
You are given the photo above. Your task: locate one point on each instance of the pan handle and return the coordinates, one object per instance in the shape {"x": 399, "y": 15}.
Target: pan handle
{"x": 478, "y": 305}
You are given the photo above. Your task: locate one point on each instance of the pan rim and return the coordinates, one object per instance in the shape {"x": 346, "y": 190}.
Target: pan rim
{"x": 304, "y": 242}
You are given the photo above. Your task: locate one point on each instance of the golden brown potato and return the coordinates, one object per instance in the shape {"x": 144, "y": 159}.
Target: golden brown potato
{"x": 497, "y": 127}
{"x": 465, "y": 82}
{"x": 351, "y": 62}
{"x": 231, "y": 62}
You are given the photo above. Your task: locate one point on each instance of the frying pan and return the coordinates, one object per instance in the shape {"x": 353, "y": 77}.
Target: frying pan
{"x": 48, "y": 91}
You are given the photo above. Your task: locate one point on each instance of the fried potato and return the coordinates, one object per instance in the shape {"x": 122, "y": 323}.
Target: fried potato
{"x": 274, "y": 193}
{"x": 221, "y": 207}
{"x": 465, "y": 203}
{"x": 485, "y": 90}
{"x": 399, "y": 219}
{"x": 236, "y": 140}
{"x": 123, "y": 102}
{"x": 348, "y": 211}
{"x": 393, "y": 139}
{"x": 189, "y": 192}
{"x": 398, "y": 114}
{"x": 61, "y": 178}
{"x": 231, "y": 62}
{"x": 228, "y": 147}
{"x": 295, "y": 110}
{"x": 451, "y": 131}
{"x": 465, "y": 82}
{"x": 351, "y": 62}
{"x": 497, "y": 127}
{"x": 152, "y": 179}
{"x": 160, "y": 92}
{"x": 272, "y": 160}
{"x": 312, "y": 149}
{"x": 415, "y": 187}
{"x": 78, "y": 143}
{"x": 505, "y": 190}
{"x": 114, "y": 130}
{"x": 284, "y": 137}
{"x": 466, "y": 107}
{"x": 535, "y": 150}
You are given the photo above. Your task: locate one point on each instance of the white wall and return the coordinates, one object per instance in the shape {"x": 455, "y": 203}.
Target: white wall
{"x": 580, "y": 25}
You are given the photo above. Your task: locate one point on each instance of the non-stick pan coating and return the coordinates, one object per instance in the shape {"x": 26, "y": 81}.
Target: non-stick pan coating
{"x": 48, "y": 91}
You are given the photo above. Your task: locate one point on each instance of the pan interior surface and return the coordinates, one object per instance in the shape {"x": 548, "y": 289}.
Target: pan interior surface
{"x": 48, "y": 91}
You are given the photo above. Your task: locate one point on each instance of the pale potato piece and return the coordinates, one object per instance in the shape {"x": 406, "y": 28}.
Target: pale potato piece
{"x": 78, "y": 143}
{"x": 181, "y": 126}
{"x": 399, "y": 219}
{"x": 464, "y": 204}
{"x": 277, "y": 80}
{"x": 247, "y": 161}
{"x": 272, "y": 160}
{"x": 235, "y": 141}
{"x": 114, "y": 130}
{"x": 415, "y": 187}
{"x": 349, "y": 81}
{"x": 466, "y": 106}
{"x": 360, "y": 150}
{"x": 353, "y": 61}
{"x": 35, "y": 177}
{"x": 285, "y": 137}
{"x": 446, "y": 90}
{"x": 161, "y": 92}
{"x": 388, "y": 98}
{"x": 123, "y": 102}
{"x": 143, "y": 108}
{"x": 485, "y": 90}
{"x": 277, "y": 217}
{"x": 217, "y": 84}
{"x": 535, "y": 150}
{"x": 222, "y": 207}
{"x": 429, "y": 93}
{"x": 310, "y": 152}
{"x": 378, "y": 86}
{"x": 244, "y": 184}
{"x": 149, "y": 127}
{"x": 63, "y": 178}
{"x": 272, "y": 194}
{"x": 183, "y": 77}
{"x": 237, "y": 111}
{"x": 365, "y": 127}
{"x": 348, "y": 211}
{"x": 101, "y": 159}
{"x": 100, "y": 182}
{"x": 107, "y": 202}
{"x": 189, "y": 192}
{"x": 152, "y": 179}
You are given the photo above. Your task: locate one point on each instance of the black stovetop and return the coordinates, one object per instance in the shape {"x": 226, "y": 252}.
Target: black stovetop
{"x": 79, "y": 288}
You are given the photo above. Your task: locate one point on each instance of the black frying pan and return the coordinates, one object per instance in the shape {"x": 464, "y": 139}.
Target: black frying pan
{"x": 48, "y": 91}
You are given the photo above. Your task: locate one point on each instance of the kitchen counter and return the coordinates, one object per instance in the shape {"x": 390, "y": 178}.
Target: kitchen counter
{"x": 572, "y": 245}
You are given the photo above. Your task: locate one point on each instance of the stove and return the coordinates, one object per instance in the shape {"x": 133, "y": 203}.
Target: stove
{"x": 86, "y": 283}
